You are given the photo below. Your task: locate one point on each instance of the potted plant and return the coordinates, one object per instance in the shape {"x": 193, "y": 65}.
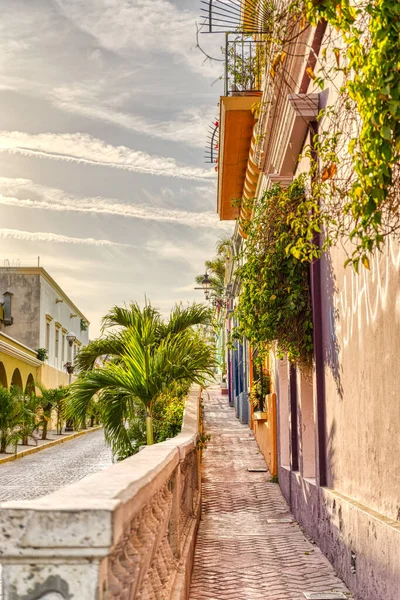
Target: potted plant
{"x": 42, "y": 354}
{"x": 260, "y": 388}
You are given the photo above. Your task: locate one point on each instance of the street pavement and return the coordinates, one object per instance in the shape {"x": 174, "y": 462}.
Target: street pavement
{"x": 48, "y": 470}
{"x": 249, "y": 546}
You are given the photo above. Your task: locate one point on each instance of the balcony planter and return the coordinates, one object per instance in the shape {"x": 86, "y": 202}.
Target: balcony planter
{"x": 258, "y": 415}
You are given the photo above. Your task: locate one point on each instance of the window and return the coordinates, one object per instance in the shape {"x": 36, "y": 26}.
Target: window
{"x": 48, "y": 337}
{"x": 63, "y": 348}
{"x": 57, "y": 343}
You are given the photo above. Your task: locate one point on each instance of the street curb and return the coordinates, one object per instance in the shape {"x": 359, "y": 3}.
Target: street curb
{"x": 35, "y": 449}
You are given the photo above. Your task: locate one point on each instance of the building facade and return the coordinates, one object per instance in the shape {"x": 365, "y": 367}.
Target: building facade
{"x": 37, "y": 315}
{"x": 328, "y": 433}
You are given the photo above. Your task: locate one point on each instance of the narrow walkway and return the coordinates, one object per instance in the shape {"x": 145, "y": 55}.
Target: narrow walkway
{"x": 248, "y": 545}
{"x": 46, "y": 471}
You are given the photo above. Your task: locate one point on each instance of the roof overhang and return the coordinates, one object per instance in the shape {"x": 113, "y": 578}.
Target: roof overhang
{"x": 235, "y": 131}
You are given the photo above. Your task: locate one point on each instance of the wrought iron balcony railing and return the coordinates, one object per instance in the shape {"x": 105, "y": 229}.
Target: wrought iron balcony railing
{"x": 211, "y": 153}
{"x": 244, "y": 64}
{"x": 246, "y": 16}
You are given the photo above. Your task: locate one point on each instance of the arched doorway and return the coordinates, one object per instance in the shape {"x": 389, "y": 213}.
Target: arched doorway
{"x": 16, "y": 380}
{"x": 30, "y": 384}
{"x": 3, "y": 376}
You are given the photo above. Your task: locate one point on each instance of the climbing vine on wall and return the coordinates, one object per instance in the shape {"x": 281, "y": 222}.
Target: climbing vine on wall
{"x": 357, "y": 149}
{"x": 274, "y": 302}
{"x": 369, "y": 59}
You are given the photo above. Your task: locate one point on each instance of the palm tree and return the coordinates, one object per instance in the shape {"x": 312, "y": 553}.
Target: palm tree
{"x": 144, "y": 358}
{"x": 9, "y": 418}
{"x": 216, "y": 267}
{"x": 120, "y": 319}
{"x": 50, "y": 399}
{"x": 27, "y": 415}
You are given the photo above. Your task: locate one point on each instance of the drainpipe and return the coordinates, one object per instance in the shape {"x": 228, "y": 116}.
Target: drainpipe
{"x": 316, "y": 296}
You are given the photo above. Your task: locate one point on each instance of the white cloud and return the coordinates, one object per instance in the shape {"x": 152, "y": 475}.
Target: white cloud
{"x": 123, "y": 26}
{"x": 39, "y": 236}
{"x": 116, "y": 56}
{"x": 190, "y": 127}
{"x": 24, "y": 193}
{"x": 85, "y": 149}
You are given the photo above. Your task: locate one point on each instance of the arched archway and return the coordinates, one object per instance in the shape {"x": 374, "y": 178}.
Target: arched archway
{"x": 30, "y": 384}
{"x": 16, "y": 379}
{"x": 3, "y": 376}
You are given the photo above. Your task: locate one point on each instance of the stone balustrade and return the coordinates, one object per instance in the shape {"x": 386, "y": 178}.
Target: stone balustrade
{"x": 125, "y": 533}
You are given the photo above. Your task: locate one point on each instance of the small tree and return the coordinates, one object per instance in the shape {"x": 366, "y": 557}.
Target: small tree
{"x": 51, "y": 399}
{"x": 145, "y": 359}
{"x": 27, "y": 405}
{"x": 9, "y": 415}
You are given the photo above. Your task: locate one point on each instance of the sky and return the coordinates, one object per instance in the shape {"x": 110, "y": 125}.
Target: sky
{"x": 104, "y": 111}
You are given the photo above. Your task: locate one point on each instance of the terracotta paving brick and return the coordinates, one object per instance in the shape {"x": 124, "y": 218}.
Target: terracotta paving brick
{"x": 241, "y": 552}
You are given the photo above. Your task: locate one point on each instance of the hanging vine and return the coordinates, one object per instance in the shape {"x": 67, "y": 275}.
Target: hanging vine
{"x": 369, "y": 100}
{"x": 274, "y": 302}
{"x": 357, "y": 175}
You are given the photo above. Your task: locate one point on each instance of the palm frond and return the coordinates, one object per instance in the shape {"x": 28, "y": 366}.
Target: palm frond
{"x": 128, "y": 316}
{"x": 104, "y": 348}
{"x": 182, "y": 318}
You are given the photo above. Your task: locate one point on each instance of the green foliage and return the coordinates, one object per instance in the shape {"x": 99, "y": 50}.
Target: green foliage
{"x": 274, "y": 303}
{"x": 9, "y": 418}
{"x": 260, "y": 388}
{"x": 216, "y": 267}
{"x": 27, "y": 407}
{"x": 49, "y": 400}
{"x": 146, "y": 357}
{"x": 202, "y": 441}
{"x": 168, "y": 412}
{"x": 42, "y": 354}
{"x": 371, "y": 69}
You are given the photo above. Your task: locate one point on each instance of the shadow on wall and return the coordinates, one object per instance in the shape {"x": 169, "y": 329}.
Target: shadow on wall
{"x": 330, "y": 455}
{"x": 331, "y": 342}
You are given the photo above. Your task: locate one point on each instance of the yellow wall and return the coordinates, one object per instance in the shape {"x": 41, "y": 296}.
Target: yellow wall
{"x": 266, "y": 431}
{"x": 51, "y": 377}
{"x": 14, "y": 358}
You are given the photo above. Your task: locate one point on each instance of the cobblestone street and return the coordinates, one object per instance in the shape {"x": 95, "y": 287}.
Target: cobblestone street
{"x": 248, "y": 545}
{"x": 46, "y": 471}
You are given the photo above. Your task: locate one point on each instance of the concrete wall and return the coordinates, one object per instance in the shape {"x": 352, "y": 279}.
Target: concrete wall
{"x": 51, "y": 377}
{"x": 361, "y": 331}
{"x": 124, "y": 533}
{"x": 25, "y": 307}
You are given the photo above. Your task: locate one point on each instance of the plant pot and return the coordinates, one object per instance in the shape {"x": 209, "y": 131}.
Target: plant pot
{"x": 224, "y": 388}
{"x": 258, "y": 415}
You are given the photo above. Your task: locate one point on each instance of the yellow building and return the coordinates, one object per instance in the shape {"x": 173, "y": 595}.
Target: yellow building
{"x": 37, "y": 316}
{"x": 19, "y": 364}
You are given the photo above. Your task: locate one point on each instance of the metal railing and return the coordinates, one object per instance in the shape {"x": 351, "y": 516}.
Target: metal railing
{"x": 222, "y": 16}
{"x": 211, "y": 153}
{"x": 244, "y": 64}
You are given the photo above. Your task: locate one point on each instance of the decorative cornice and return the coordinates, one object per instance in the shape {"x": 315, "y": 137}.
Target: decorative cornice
{"x": 283, "y": 180}
{"x": 20, "y": 354}
{"x": 305, "y": 106}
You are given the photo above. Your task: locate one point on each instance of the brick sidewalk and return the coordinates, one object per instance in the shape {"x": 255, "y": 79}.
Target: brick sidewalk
{"x": 248, "y": 545}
